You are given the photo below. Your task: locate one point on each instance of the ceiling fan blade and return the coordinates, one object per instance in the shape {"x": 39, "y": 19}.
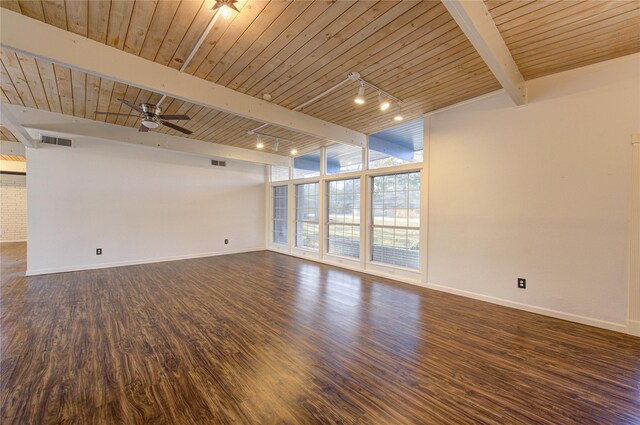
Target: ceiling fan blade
{"x": 115, "y": 113}
{"x": 176, "y": 127}
{"x": 143, "y": 129}
{"x": 175, "y": 117}
{"x": 131, "y": 105}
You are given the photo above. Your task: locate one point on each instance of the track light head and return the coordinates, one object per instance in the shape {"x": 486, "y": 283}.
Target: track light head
{"x": 398, "y": 116}
{"x": 384, "y": 104}
{"x": 359, "y": 100}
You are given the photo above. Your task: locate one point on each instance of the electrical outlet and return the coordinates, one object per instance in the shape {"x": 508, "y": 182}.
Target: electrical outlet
{"x": 99, "y": 251}
{"x": 522, "y": 283}
{"x": 226, "y": 241}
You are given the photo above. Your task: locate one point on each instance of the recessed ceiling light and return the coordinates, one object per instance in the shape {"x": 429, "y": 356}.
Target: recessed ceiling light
{"x": 294, "y": 151}
{"x": 266, "y": 97}
{"x": 260, "y": 145}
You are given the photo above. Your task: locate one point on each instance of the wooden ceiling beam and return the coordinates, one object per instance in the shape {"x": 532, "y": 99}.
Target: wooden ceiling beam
{"x": 476, "y": 22}
{"x": 79, "y": 53}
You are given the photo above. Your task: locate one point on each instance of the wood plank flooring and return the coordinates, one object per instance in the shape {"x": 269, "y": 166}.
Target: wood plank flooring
{"x": 262, "y": 338}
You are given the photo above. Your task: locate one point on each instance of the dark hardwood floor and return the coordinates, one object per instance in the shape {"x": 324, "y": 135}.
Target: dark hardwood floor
{"x": 263, "y": 338}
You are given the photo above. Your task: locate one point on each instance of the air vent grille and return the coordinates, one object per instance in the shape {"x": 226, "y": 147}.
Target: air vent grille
{"x": 217, "y": 163}
{"x": 56, "y": 141}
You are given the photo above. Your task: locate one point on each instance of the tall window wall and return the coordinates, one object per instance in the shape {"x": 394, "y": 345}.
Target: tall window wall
{"x": 280, "y": 208}
{"x": 327, "y": 216}
{"x": 343, "y": 217}
{"x": 395, "y": 218}
{"x": 307, "y": 217}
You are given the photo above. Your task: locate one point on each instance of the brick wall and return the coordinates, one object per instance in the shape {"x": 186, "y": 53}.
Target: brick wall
{"x": 13, "y": 207}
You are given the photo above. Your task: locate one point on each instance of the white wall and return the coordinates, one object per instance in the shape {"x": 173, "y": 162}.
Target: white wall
{"x": 541, "y": 192}
{"x": 13, "y": 206}
{"x": 138, "y": 204}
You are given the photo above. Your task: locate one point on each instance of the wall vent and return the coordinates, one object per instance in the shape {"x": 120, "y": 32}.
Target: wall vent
{"x": 218, "y": 163}
{"x": 56, "y": 141}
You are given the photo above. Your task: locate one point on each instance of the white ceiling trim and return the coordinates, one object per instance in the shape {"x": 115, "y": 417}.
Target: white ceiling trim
{"x": 36, "y": 38}
{"x": 35, "y": 122}
{"x": 8, "y": 119}
{"x": 476, "y": 22}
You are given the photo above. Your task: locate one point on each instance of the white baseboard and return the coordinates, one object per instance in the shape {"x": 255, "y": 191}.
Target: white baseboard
{"x": 136, "y": 262}
{"x": 617, "y": 327}
{"x": 634, "y": 327}
{"x": 14, "y": 240}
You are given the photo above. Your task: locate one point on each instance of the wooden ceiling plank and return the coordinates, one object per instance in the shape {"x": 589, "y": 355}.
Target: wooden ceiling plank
{"x": 77, "y": 16}
{"x": 281, "y": 60}
{"x": 65, "y": 90}
{"x": 163, "y": 15}
{"x": 98, "y": 26}
{"x": 550, "y": 12}
{"x": 289, "y": 66}
{"x": 215, "y": 35}
{"x": 119, "y": 18}
{"x": 50, "y": 85}
{"x": 574, "y": 33}
{"x": 581, "y": 61}
{"x": 297, "y": 26}
{"x": 32, "y": 9}
{"x": 7, "y": 86}
{"x": 624, "y": 32}
{"x": 443, "y": 86}
{"x": 130, "y": 94}
{"x": 433, "y": 86}
{"x": 476, "y": 22}
{"x": 55, "y": 13}
{"x": 268, "y": 25}
{"x": 3, "y": 97}
{"x": 11, "y": 5}
{"x": 16, "y": 76}
{"x": 193, "y": 34}
{"x": 559, "y": 20}
{"x": 91, "y": 96}
{"x": 227, "y": 40}
{"x": 604, "y": 48}
{"x": 32, "y": 76}
{"x": 356, "y": 32}
{"x": 104, "y": 98}
{"x": 502, "y": 16}
{"x": 390, "y": 48}
{"x": 411, "y": 62}
{"x": 119, "y": 91}
{"x": 79, "y": 90}
{"x": 143, "y": 12}
{"x": 186, "y": 12}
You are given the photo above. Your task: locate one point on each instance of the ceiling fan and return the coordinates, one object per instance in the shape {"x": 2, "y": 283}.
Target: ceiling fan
{"x": 152, "y": 117}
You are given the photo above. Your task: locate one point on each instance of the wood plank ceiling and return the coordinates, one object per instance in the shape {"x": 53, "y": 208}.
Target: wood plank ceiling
{"x": 292, "y": 50}
{"x": 6, "y": 134}
{"x": 546, "y": 37}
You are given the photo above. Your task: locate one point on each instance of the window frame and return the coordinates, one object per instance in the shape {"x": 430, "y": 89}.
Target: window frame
{"x": 296, "y": 220}
{"x": 327, "y": 182}
{"x": 273, "y": 218}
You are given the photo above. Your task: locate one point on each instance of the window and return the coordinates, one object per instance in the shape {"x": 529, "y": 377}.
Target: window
{"x": 396, "y": 219}
{"x": 280, "y": 199}
{"x": 307, "y": 165}
{"x": 279, "y": 173}
{"x": 307, "y": 220}
{"x": 343, "y": 159}
{"x": 399, "y": 145}
{"x": 343, "y": 206}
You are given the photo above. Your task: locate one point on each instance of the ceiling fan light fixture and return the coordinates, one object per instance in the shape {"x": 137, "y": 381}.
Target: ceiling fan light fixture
{"x": 150, "y": 123}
